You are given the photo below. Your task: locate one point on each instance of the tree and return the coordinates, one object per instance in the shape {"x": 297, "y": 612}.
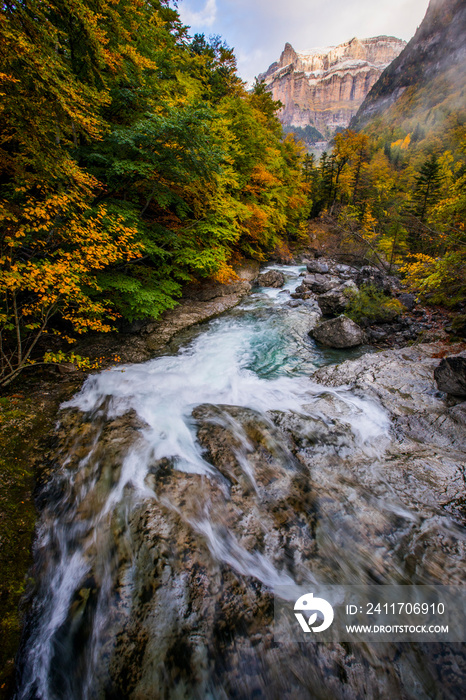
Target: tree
{"x": 50, "y": 251}
{"x": 218, "y": 67}
{"x": 427, "y": 187}
{"x": 56, "y": 66}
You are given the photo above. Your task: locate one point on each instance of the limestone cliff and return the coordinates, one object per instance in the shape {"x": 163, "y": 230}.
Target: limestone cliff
{"x": 428, "y": 79}
{"x": 324, "y": 87}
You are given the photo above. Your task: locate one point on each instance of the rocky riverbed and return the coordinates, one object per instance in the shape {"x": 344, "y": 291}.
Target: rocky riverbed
{"x": 325, "y": 284}
{"x": 185, "y": 489}
{"x": 394, "y": 318}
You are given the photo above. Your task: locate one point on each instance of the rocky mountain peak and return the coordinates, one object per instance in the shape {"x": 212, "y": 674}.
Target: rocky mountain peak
{"x": 289, "y": 55}
{"x": 323, "y": 87}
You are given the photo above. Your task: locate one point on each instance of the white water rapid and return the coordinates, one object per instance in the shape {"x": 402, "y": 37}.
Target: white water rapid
{"x": 257, "y": 357}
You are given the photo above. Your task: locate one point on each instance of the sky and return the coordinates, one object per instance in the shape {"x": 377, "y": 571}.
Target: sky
{"x": 259, "y": 29}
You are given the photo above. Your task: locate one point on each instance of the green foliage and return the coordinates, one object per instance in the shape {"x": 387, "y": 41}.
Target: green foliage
{"x": 369, "y": 305}
{"x": 397, "y": 195}
{"x": 142, "y": 292}
{"x": 440, "y": 280}
{"x": 427, "y": 187}
{"x": 132, "y": 159}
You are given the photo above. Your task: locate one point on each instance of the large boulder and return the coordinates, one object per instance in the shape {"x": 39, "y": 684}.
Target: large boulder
{"x": 318, "y": 266}
{"x": 450, "y": 375}
{"x": 336, "y": 300}
{"x": 372, "y": 276}
{"x": 340, "y": 332}
{"x": 272, "y": 278}
{"x": 408, "y": 300}
{"x": 321, "y": 283}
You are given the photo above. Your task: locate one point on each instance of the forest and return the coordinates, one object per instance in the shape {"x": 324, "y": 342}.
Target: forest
{"x": 132, "y": 160}
{"x": 397, "y": 191}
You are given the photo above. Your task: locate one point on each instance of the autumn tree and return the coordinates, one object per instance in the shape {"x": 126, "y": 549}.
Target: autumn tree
{"x": 132, "y": 159}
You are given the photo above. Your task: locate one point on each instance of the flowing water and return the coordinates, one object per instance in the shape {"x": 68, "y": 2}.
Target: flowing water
{"x": 187, "y": 488}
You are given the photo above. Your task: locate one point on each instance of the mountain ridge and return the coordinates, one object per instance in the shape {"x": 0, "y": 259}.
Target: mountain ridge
{"x": 324, "y": 86}
{"x": 433, "y": 61}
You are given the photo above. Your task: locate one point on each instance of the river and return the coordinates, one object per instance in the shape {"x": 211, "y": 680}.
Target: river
{"x": 186, "y": 489}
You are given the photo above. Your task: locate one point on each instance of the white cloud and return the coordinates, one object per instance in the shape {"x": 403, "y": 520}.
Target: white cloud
{"x": 205, "y": 17}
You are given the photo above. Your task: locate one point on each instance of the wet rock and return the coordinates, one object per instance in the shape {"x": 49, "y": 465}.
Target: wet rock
{"x": 450, "y": 375}
{"x": 413, "y": 473}
{"x": 319, "y": 266}
{"x": 420, "y": 474}
{"x": 321, "y": 283}
{"x": 272, "y": 278}
{"x": 402, "y": 380}
{"x": 336, "y": 300}
{"x": 191, "y": 568}
{"x": 340, "y": 332}
{"x": 205, "y": 547}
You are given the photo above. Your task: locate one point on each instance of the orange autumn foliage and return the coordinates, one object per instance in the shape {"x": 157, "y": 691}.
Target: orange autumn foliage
{"x": 67, "y": 244}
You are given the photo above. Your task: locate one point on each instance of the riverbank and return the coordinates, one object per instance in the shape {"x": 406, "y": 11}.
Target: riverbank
{"x": 27, "y": 419}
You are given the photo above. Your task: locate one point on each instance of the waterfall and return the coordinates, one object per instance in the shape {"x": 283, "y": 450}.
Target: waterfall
{"x": 176, "y": 471}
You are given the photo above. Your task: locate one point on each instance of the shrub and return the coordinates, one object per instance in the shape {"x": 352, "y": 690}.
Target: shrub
{"x": 370, "y": 305}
